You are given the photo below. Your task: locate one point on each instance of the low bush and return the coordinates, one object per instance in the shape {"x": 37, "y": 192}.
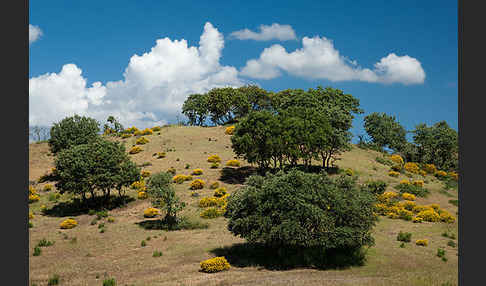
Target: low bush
{"x": 68, "y": 223}
{"x": 384, "y": 161}
{"x": 171, "y": 170}
{"x": 408, "y": 205}
{"x": 145, "y": 174}
{"x": 179, "y": 179}
{"x": 418, "y": 183}
{"x": 37, "y": 251}
{"x": 233, "y": 163}
{"x": 54, "y": 280}
{"x": 142, "y": 195}
{"x": 440, "y": 252}
{"x": 197, "y": 184}
{"x": 211, "y": 212}
{"x": 412, "y": 189}
{"x": 156, "y": 128}
{"x": 135, "y": 150}
{"x": 34, "y": 198}
{"x": 47, "y": 188}
{"x": 215, "y": 264}
{"x": 124, "y": 136}
{"x": 197, "y": 172}
{"x": 214, "y": 185}
{"x": 408, "y": 196}
{"x": 451, "y": 243}
{"x": 404, "y": 236}
{"x": 45, "y": 243}
{"x": 375, "y": 187}
{"x": 109, "y": 282}
{"x": 429, "y": 215}
{"x": 417, "y": 219}
{"x": 212, "y": 202}
{"x": 411, "y": 167}
{"x": 220, "y": 192}
{"x": 393, "y": 174}
{"x": 161, "y": 155}
{"x": 157, "y": 253}
{"x": 430, "y": 168}
{"x": 397, "y": 159}
{"x": 229, "y": 130}
{"x": 441, "y": 175}
{"x": 151, "y": 212}
{"x": 214, "y": 159}
{"x": 422, "y": 242}
{"x": 349, "y": 172}
{"x": 214, "y": 165}
{"x": 142, "y": 140}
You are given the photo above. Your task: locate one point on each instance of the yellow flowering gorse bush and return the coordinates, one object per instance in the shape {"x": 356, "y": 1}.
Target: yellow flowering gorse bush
{"x": 408, "y": 196}
{"x": 214, "y": 159}
{"x": 142, "y": 195}
{"x": 150, "y": 212}
{"x": 142, "y": 140}
{"x": 47, "y": 188}
{"x": 215, "y": 264}
{"x": 68, "y": 223}
{"x": 197, "y": 184}
{"x": 411, "y": 167}
{"x": 430, "y": 168}
{"x": 397, "y": 159}
{"x": 197, "y": 172}
{"x": 135, "y": 150}
{"x": 393, "y": 174}
{"x": 145, "y": 174}
{"x": 229, "y": 130}
{"x": 233, "y": 163}
{"x": 179, "y": 179}
{"x": 422, "y": 242}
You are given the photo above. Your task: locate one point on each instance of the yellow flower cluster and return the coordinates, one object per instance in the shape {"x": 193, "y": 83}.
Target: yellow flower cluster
{"x": 179, "y": 179}
{"x": 387, "y": 196}
{"x": 453, "y": 175}
{"x": 409, "y": 197}
{"x": 142, "y": 140}
{"x": 215, "y": 264}
{"x": 126, "y": 135}
{"x": 430, "y": 168}
{"x": 349, "y": 172}
{"x": 212, "y": 212}
{"x": 446, "y": 217}
{"x": 233, "y": 163}
{"x": 405, "y": 182}
{"x": 171, "y": 170}
{"x": 408, "y": 205}
{"x": 214, "y": 159}
{"x": 429, "y": 215}
{"x": 411, "y": 167}
{"x": 155, "y": 128}
{"x": 197, "y": 172}
{"x": 393, "y": 174}
{"x": 417, "y": 219}
{"x": 161, "y": 155}
{"x": 230, "y": 130}
{"x": 150, "y": 212}
{"x": 147, "y": 131}
{"x": 145, "y": 174}
{"x": 33, "y": 196}
{"x": 68, "y": 223}
{"x": 397, "y": 159}
{"x": 422, "y": 242}
{"x": 220, "y": 192}
{"x": 139, "y": 185}
{"x": 142, "y": 195}
{"x": 47, "y": 188}
{"x": 213, "y": 201}
{"x": 441, "y": 174}
{"x": 135, "y": 150}
{"x": 197, "y": 184}
{"x": 31, "y": 215}
{"x": 422, "y": 173}
{"x": 131, "y": 130}
{"x": 419, "y": 183}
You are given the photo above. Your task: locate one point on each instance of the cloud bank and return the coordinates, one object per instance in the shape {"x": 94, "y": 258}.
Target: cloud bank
{"x": 318, "y": 59}
{"x": 34, "y": 33}
{"x": 154, "y": 87}
{"x": 267, "y": 33}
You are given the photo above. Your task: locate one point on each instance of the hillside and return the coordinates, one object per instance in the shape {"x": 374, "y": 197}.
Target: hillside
{"x": 84, "y": 256}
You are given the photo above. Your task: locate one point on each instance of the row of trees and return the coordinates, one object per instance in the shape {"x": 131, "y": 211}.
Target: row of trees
{"x": 436, "y": 144}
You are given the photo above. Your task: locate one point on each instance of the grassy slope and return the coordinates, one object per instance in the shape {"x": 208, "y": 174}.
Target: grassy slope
{"x": 117, "y": 252}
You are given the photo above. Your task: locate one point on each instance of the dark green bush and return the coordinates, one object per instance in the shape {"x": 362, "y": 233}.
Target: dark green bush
{"x": 375, "y": 187}
{"x": 302, "y": 209}
{"x": 109, "y": 282}
{"x": 404, "y": 236}
{"x": 72, "y": 131}
{"x": 451, "y": 243}
{"x": 412, "y": 189}
{"x": 54, "y": 280}
{"x": 37, "y": 251}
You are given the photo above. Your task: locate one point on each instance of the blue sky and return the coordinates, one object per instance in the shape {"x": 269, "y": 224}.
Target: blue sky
{"x": 101, "y": 37}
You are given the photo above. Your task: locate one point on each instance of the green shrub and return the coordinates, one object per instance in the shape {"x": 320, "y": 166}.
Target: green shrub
{"x": 31, "y": 225}
{"x": 440, "y": 252}
{"x": 412, "y": 189}
{"x": 102, "y": 214}
{"x": 109, "y": 282}
{"x": 211, "y": 212}
{"x": 304, "y": 210}
{"x": 375, "y": 187}
{"x": 454, "y": 202}
{"x": 451, "y": 243}
{"x": 37, "y": 251}
{"x": 157, "y": 253}
{"x": 214, "y": 165}
{"x": 143, "y": 243}
{"x": 384, "y": 161}
{"x": 54, "y": 280}
{"x": 44, "y": 243}
{"x": 404, "y": 236}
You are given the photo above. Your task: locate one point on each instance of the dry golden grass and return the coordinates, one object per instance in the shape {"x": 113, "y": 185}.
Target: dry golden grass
{"x": 117, "y": 252}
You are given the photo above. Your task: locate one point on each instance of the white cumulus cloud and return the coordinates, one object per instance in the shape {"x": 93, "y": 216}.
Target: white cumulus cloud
{"x": 152, "y": 91}
{"x": 34, "y": 33}
{"x": 318, "y": 59}
{"x": 266, "y": 33}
